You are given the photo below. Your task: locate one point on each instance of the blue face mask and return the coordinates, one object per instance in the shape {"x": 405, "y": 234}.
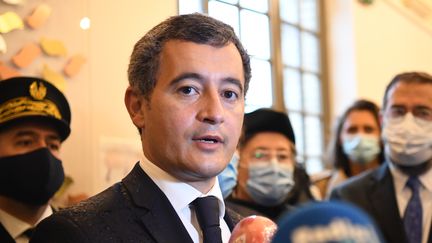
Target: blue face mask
{"x": 269, "y": 182}
{"x": 361, "y": 149}
{"x": 228, "y": 177}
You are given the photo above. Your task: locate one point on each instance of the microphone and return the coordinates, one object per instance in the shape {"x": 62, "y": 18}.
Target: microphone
{"x": 253, "y": 229}
{"x": 332, "y": 221}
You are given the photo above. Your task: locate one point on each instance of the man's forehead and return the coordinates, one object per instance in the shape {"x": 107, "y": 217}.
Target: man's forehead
{"x": 28, "y": 128}
{"x": 410, "y": 93}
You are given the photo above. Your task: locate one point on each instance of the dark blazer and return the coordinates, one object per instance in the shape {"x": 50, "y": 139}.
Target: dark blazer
{"x": 134, "y": 210}
{"x": 5, "y": 237}
{"x": 374, "y": 192}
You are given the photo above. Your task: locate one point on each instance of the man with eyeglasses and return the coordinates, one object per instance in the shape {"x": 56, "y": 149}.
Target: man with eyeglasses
{"x": 270, "y": 181}
{"x": 398, "y": 195}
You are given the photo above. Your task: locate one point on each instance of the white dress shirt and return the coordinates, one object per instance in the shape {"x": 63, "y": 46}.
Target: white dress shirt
{"x": 16, "y": 227}
{"x": 180, "y": 195}
{"x": 403, "y": 194}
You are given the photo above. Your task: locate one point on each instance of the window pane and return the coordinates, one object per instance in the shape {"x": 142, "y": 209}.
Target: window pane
{"x": 292, "y": 90}
{"x": 260, "y": 87}
{"x": 257, "y": 5}
{"x": 297, "y": 124}
{"x": 225, "y": 13}
{"x": 314, "y": 165}
{"x": 313, "y": 135}
{"x": 255, "y": 33}
{"x": 289, "y": 11}
{"x": 190, "y": 6}
{"x": 309, "y": 14}
{"x": 310, "y": 52}
{"x": 290, "y": 46}
{"x": 312, "y": 94}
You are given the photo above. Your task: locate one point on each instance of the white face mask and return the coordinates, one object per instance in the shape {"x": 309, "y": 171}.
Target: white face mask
{"x": 408, "y": 140}
{"x": 360, "y": 148}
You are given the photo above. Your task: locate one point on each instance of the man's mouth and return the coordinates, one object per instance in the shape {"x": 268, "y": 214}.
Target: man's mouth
{"x": 208, "y": 139}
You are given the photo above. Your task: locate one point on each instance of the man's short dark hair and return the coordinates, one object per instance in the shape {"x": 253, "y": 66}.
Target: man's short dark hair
{"x": 408, "y": 77}
{"x": 197, "y": 28}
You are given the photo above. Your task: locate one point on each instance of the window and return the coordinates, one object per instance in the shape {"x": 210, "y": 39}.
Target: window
{"x": 284, "y": 39}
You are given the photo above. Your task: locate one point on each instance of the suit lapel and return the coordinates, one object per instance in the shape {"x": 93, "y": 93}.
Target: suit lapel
{"x": 5, "y": 236}
{"x": 384, "y": 205}
{"x": 160, "y": 218}
{"x": 231, "y": 218}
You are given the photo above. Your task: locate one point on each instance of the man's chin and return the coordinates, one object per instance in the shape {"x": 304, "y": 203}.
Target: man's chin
{"x": 416, "y": 169}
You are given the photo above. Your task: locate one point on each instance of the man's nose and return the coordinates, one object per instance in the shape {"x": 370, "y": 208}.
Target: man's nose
{"x": 212, "y": 109}
{"x": 41, "y": 143}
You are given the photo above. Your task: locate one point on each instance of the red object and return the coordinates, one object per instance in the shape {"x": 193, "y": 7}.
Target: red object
{"x": 253, "y": 229}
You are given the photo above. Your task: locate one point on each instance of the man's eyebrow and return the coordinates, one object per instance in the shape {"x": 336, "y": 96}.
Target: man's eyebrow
{"x": 31, "y": 133}
{"x": 199, "y": 77}
{"x": 235, "y": 82}
{"x": 24, "y": 133}
{"x": 261, "y": 148}
{"x": 183, "y": 76}
{"x": 422, "y": 107}
{"x": 53, "y": 137}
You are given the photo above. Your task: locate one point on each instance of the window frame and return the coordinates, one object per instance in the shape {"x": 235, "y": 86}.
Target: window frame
{"x": 278, "y": 67}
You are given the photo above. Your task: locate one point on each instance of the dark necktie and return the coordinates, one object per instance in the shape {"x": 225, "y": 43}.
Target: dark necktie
{"x": 413, "y": 219}
{"x": 28, "y": 232}
{"x": 207, "y": 213}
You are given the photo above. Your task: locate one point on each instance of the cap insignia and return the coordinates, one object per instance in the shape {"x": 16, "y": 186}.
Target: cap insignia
{"x": 38, "y": 92}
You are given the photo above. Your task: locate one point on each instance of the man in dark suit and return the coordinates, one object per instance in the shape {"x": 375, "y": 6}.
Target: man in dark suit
{"x": 187, "y": 81}
{"x": 34, "y": 121}
{"x": 398, "y": 195}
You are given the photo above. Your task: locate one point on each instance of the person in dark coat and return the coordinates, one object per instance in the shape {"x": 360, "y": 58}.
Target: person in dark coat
{"x": 398, "y": 194}
{"x": 187, "y": 82}
{"x": 270, "y": 181}
{"x": 34, "y": 121}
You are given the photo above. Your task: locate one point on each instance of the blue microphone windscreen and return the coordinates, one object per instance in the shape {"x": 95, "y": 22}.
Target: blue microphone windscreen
{"x": 327, "y": 222}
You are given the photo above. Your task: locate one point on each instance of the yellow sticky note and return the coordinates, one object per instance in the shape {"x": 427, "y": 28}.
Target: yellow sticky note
{"x": 39, "y": 16}
{"x": 10, "y": 21}
{"x": 53, "y": 77}
{"x": 7, "y": 72}
{"x": 13, "y": 2}
{"x": 26, "y": 55}
{"x": 74, "y": 65}
{"x": 53, "y": 47}
{"x": 3, "y": 46}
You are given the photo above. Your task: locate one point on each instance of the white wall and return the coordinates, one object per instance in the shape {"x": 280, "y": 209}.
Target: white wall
{"x": 96, "y": 93}
{"x": 384, "y": 41}
{"x": 116, "y": 27}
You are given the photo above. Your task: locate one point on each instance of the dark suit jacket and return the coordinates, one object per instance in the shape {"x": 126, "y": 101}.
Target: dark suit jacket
{"x": 134, "y": 210}
{"x": 5, "y": 237}
{"x": 374, "y": 192}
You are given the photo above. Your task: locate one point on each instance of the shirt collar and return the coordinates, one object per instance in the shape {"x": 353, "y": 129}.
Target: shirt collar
{"x": 15, "y": 227}
{"x": 400, "y": 179}
{"x": 180, "y": 194}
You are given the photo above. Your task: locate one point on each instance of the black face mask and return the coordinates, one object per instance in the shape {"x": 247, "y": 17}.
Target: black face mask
{"x": 31, "y": 178}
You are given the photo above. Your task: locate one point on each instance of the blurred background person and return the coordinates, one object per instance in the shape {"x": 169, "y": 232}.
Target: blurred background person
{"x": 398, "y": 194}
{"x": 34, "y": 122}
{"x": 269, "y": 179}
{"x": 228, "y": 177}
{"x": 356, "y": 145}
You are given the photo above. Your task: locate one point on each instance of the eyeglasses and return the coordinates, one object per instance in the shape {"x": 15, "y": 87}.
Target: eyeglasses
{"x": 267, "y": 155}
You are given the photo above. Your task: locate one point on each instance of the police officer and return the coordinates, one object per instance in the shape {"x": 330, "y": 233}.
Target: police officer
{"x": 34, "y": 121}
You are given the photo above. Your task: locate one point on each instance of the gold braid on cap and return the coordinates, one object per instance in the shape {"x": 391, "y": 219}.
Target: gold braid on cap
{"x": 25, "y": 106}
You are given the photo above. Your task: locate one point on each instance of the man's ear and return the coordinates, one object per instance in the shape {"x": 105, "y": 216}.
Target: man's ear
{"x": 135, "y": 103}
